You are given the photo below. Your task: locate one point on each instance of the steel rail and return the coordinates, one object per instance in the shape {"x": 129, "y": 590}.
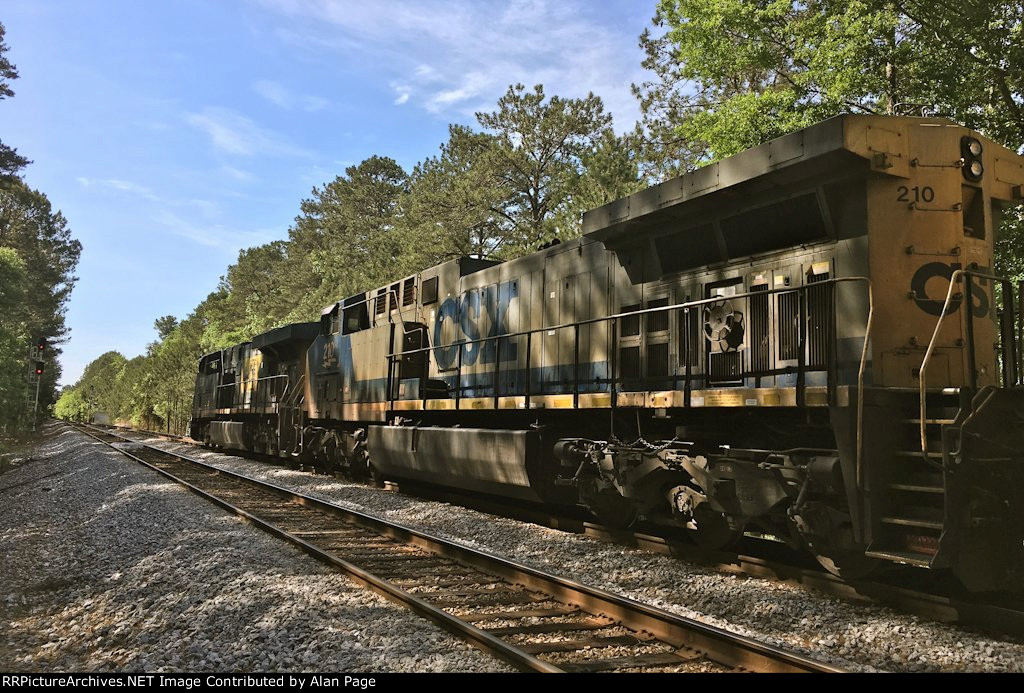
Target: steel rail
{"x": 942, "y": 607}
{"x": 718, "y": 645}
{"x": 475, "y": 635}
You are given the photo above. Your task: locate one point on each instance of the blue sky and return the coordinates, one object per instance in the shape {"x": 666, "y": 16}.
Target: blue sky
{"x": 171, "y": 135}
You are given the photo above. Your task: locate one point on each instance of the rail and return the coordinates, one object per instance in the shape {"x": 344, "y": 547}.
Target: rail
{"x": 1010, "y": 366}
{"x": 380, "y": 554}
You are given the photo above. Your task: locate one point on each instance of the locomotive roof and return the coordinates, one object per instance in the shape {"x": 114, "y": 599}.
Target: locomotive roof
{"x": 297, "y": 332}
{"x": 792, "y": 160}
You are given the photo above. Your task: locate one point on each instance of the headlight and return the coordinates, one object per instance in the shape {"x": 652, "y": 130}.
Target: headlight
{"x": 970, "y": 154}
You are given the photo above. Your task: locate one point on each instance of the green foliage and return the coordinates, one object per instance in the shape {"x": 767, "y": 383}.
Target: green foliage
{"x": 165, "y": 325}
{"x": 13, "y": 337}
{"x": 10, "y": 161}
{"x": 537, "y": 150}
{"x": 731, "y": 74}
{"x": 610, "y": 170}
{"x": 346, "y": 235}
{"x": 72, "y": 405}
{"x": 456, "y": 205}
{"x": 38, "y": 257}
{"x": 42, "y": 241}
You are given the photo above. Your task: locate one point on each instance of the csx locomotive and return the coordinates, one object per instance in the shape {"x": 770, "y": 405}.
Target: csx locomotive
{"x": 805, "y": 340}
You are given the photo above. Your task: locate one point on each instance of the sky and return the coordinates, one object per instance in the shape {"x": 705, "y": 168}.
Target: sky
{"x": 172, "y": 135}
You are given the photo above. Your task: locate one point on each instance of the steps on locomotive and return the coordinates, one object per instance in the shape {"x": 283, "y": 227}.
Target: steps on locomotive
{"x": 910, "y": 524}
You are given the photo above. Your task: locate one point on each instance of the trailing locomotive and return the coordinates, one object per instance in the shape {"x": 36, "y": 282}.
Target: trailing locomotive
{"x": 804, "y": 340}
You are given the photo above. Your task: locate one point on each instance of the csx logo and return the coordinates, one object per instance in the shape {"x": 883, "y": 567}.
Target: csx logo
{"x": 940, "y": 270}
{"x": 466, "y": 313}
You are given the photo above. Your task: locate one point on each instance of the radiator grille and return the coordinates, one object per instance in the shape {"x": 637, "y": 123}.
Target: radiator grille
{"x": 819, "y": 320}
{"x": 657, "y": 360}
{"x": 657, "y": 322}
{"x": 630, "y": 323}
{"x": 725, "y": 366}
{"x": 760, "y": 345}
{"x": 789, "y": 326}
{"x": 629, "y": 362}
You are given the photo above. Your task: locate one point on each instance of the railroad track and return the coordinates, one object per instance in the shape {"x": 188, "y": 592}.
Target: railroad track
{"x": 763, "y": 559}
{"x": 531, "y": 619}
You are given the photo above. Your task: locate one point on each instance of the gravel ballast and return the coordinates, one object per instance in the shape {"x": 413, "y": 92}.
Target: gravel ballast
{"x": 856, "y": 636}
{"x": 109, "y": 566}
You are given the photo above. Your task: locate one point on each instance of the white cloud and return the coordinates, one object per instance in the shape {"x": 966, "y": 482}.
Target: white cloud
{"x": 145, "y": 193}
{"x": 280, "y": 95}
{"x": 455, "y": 57}
{"x": 116, "y": 184}
{"x": 237, "y": 173}
{"x": 232, "y": 133}
{"x": 402, "y": 93}
{"x": 215, "y": 235}
{"x": 273, "y": 92}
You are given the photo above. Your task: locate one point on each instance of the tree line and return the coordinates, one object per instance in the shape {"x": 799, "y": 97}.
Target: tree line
{"x": 38, "y": 256}
{"x": 725, "y": 75}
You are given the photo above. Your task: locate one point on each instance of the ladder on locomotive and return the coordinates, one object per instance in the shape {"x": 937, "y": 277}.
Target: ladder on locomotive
{"x": 909, "y": 507}
{"x": 289, "y": 419}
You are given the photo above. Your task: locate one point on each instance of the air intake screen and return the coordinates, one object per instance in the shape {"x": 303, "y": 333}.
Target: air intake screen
{"x": 789, "y": 326}
{"x": 657, "y": 360}
{"x": 760, "y": 346}
{"x": 630, "y": 323}
{"x": 819, "y": 320}
{"x": 629, "y": 362}
{"x": 657, "y": 322}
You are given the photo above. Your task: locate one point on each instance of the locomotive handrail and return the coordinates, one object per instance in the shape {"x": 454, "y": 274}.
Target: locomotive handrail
{"x": 240, "y": 383}
{"x": 1008, "y": 345}
{"x": 393, "y": 356}
{"x": 676, "y": 306}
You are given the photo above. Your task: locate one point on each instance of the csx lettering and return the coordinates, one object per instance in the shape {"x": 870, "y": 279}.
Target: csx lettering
{"x": 933, "y": 306}
{"x": 465, "y": 312}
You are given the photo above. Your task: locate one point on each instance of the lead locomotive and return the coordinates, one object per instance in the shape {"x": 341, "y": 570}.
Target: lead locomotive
{"x": 804, "y": 340}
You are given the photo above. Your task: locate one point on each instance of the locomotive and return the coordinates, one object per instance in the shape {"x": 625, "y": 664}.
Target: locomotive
{"x": 805, "y": 340}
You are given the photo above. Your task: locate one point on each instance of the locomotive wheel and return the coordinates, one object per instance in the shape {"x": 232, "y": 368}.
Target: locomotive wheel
{"x": 607, "y": 505}
{"x": 712, "y": 529}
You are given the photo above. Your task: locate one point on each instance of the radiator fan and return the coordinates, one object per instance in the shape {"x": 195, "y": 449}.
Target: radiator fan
{"x": 723, "y": 326}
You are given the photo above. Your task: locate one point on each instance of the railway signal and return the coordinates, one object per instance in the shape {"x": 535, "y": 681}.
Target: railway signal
{"x": 37, "y": 364}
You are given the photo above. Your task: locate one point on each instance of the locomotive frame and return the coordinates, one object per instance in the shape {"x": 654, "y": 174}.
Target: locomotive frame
{"x": 760, "y": 345}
